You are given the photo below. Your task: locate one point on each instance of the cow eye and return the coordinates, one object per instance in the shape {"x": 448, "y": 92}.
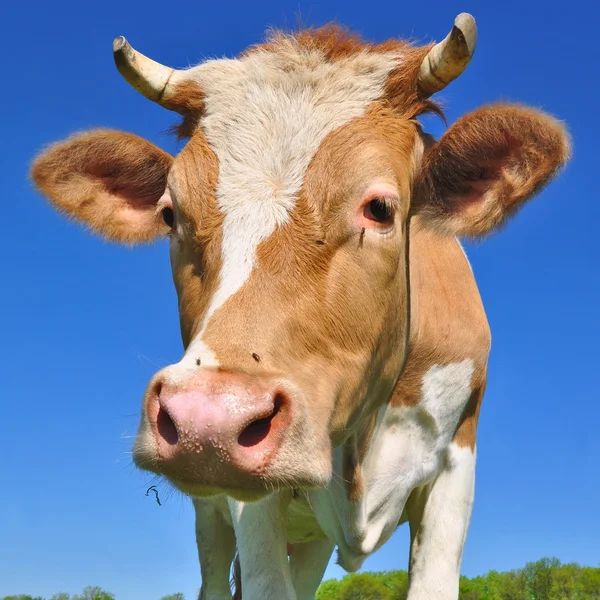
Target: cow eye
{"x": 168, "y": 216}
{"x": 379, "y": 210}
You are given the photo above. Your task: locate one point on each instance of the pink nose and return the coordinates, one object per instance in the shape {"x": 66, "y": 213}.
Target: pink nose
{"x": 216, "y": 426}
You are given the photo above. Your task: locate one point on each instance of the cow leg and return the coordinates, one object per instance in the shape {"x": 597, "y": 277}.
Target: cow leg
{"x": 216, "y": 547}
{"x": 439, "y": 514}
{"x": 261, "y": 534}
{"x": 308, "y": 563}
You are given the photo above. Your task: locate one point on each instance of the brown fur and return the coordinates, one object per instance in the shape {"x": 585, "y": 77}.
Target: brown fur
{"x": 402, "y": 92}
{"x": 487, "y": 165}
{"x": 355, "y": 454}
{"x": 197, "y": 259}
{"x": 351, "y": 471}
{"x": 466, "y": 433}
{"x": 188, "y": 101}
{"x": 108, "y": 180}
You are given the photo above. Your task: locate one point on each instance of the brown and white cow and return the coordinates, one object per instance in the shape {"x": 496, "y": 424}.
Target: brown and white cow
{"x": 336, "y": 344}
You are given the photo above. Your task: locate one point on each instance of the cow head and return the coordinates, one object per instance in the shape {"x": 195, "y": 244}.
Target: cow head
{"x": 287, "y": 214}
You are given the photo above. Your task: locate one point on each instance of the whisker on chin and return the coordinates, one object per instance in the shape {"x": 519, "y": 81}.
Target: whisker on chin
{"x": 143, "y": 357}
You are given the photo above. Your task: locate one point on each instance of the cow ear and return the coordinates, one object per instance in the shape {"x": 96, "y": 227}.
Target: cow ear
{"x": 486, "y": 166}
{"x": 109, "y": 180}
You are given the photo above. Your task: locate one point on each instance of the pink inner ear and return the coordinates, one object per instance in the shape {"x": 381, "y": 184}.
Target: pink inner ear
{"x": 468, "y": 201}
{"x": 133, "y": 201}
{"x": 135, "y": 198}
{"x": 129, "y": 219}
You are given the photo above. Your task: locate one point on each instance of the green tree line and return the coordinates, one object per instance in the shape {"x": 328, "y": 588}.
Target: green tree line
{"x": 545, "y": 579}
{"x": 91, "y": 592}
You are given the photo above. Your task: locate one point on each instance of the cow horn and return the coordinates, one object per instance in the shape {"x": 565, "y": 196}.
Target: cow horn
{"x": 148, "y": 77}
{"x": 448, "y": 59}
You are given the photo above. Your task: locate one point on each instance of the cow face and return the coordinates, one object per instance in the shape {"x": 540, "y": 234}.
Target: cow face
{"x": 287, "y": 213}
{"x": 294, "y": 306}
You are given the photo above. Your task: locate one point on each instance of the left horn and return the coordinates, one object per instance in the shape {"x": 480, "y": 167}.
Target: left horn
{"x": 148, "y": 77}
{"x": 448, "y": 59}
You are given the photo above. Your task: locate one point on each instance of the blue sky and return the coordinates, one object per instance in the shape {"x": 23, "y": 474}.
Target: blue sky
{"x": 84, "y": 324}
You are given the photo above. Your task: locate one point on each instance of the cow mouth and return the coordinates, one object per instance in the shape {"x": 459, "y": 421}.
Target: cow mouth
{"x": 257, "y": 431}
{"x": 241, "y": 493}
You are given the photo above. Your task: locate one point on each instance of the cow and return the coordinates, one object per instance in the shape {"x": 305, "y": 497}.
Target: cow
{"x": 336, "y": 345}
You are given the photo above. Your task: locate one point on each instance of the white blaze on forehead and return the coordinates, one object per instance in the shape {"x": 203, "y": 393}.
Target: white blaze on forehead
{"x": 265, "y": 117}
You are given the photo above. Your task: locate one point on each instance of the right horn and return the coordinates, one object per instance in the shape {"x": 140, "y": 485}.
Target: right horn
{"x": 148, "y": 77}
{"x": 448, "y": 59}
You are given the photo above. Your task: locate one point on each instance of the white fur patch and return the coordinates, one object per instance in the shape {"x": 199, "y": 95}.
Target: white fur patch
{"x": 436, "y": 559}
{"x": 216, "y": 546}
{"x": 260, "y": 531}
{"x": 408, "y": 449}
{"x": 265, "y": 117}
{"x": 308, "y": 564}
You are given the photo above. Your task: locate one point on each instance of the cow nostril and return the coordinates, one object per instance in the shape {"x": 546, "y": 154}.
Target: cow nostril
{"x": 258, "y": 430}
{"x": 166, "y": 427}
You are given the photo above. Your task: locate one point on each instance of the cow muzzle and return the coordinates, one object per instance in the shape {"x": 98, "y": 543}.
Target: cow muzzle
{"x": 214, "y": 429}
